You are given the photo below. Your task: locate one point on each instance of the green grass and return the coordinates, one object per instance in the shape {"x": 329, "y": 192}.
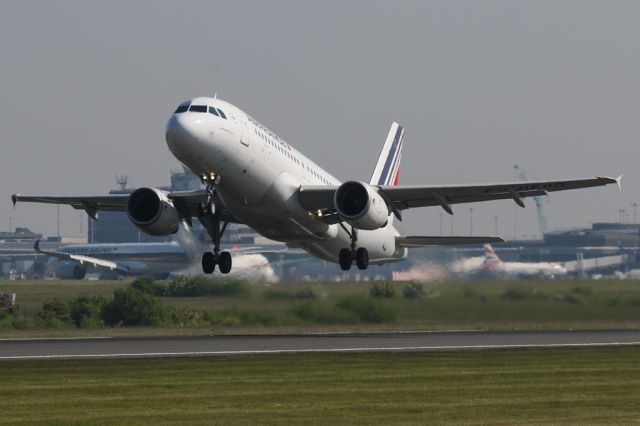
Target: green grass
{"x": 570, "y": 304}
{"x": 577, "y": 386}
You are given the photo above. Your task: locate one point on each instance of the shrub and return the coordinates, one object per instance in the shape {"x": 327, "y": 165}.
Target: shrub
{"x": 367, "y": 310}
{"x": 382, "y": 289}
{"x": 582, "y": 291}
{"x": 514, "y": 293}
{"x": 413, "y": 291}
{"x": 322, "y": 313}
{"x": 21, "y": 321}
{"x": 131, "y": 306}
{"x": 203, "y": 286}
{"x": 276, "y": 294}
{"x": 258, "y": 318}
{"x": 570, "y": 298}
{"x": 314, "y": 292}
{"x": 87, "y": 311}
{"x": 147, "y": 284}
{"x": 221, "y": 318}
{"x": 187, "y": 317}
{"x": 469, "y": 293}
{"x": 55, "y": 313}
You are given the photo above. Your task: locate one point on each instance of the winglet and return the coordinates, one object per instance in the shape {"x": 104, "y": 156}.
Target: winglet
{"x": 607, "y": 180}
{"x": 14, "y": 198}
{"x": 36, "y": 246}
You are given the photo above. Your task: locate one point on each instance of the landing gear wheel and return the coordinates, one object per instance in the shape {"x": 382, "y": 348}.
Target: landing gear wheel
{"x": 345, "y": 258}
{"x": 362, "y": 258}
{"x": 225, "y": 262}
{"x": 208, "y": 262}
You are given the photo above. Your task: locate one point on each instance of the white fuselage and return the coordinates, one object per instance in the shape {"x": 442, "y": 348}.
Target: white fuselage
{"x": 138, "y": 258}
{"x": 259, "y": 176}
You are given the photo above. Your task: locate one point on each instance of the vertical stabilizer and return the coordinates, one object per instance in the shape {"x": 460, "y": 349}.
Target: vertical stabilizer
{"x": 387, "y": 171}
{"x": 491, "y": 260}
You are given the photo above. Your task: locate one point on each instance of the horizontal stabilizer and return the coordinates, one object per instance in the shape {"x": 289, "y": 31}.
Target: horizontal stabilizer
{"x": 418, "y": 241}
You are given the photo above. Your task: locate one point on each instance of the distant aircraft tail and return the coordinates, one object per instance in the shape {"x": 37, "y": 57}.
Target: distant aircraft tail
{"x": 387, "y": 171}
{"x": 489, "y": 252}
{"x": 491, "y": 259}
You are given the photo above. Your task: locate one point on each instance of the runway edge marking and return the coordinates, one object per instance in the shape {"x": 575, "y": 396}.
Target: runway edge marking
{"x": 327, "y": 350}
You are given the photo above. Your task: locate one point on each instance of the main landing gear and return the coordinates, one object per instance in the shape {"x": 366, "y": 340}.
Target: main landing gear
{"x": 348, "y": 255}
{"x": 210, "y": 218}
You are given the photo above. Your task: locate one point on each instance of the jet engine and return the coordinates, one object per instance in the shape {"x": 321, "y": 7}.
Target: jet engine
{"x": 361, "y": 206}
{"x": 152, "y": 212}
{"x": 70, "y": 271}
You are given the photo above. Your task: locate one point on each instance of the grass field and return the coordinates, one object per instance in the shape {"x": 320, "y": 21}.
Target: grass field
{"x": 488, "y": 305}
{"x": 576, "y": 386}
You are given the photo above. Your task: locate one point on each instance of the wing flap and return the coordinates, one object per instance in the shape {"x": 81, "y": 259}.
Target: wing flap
{"x": 425, "y": 241}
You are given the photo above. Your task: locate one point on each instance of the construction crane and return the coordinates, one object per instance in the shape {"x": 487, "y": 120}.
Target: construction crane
{"x": 540, "y": 201}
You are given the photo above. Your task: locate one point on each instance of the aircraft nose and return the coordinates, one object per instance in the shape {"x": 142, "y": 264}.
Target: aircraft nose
{"x": 182, "y": 131}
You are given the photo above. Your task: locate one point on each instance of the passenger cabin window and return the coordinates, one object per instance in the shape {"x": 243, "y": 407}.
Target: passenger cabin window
{"x": 182, "y": 108}
{"x": 213, "y": 111}
{"x": 198, "y": 108}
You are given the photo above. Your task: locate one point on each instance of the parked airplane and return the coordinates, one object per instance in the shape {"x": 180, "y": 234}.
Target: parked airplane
{"x": 494, "y": 266}
{"x": 157, "y": 259}
{"x": 253, "y": 176}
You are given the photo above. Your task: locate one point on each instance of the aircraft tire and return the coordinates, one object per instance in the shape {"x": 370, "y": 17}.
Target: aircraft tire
{"x": 345, "y": 259}
{"x": 208, "y": 263}
{"x": 225, "y": 262}
{"x": 362, "y": 258}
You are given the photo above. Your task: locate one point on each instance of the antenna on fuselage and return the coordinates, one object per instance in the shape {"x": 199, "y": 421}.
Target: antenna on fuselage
{"x": 215, "y": 95}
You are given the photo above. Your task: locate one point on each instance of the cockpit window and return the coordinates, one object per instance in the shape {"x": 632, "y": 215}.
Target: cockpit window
{"x": 222, "y": 114}
{"x": 182, "y": 108}
{"x": 198, "y": 108}
{"x": 213, "y": 111}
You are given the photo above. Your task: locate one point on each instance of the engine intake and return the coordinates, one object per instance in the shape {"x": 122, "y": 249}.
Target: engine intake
{"x": 152, "y": 212}
{"x": 361, "y": 206}
{"x": 70, "y": 271}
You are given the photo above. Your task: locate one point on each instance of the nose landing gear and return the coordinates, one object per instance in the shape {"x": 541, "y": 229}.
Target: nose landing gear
{"x": 348, "y": 255}
{"x": 210, "y": 218}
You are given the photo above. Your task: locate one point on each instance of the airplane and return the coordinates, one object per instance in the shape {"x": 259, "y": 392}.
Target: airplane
{"x": 494, "y": 266}
{"x": 490, "y": 265}
{"x": 255, "y": 177}
{"x": 157, "y": 259}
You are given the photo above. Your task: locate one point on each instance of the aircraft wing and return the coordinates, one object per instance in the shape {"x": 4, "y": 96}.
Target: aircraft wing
{"x": 93, "y": 261}
{"x": 187, "y": 202}
{"x": 420, "y": 241}
{"x": 403, "y": 197}
{"x": 111, "y": 202}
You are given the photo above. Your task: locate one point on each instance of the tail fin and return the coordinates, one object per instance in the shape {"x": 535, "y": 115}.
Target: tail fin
{"x": 387, "y": 170}
{"x": 489, "y": 252}
{"x": 491, "y": 260}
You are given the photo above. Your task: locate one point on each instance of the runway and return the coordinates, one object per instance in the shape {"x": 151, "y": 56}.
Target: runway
{"x": 140, "y": 347}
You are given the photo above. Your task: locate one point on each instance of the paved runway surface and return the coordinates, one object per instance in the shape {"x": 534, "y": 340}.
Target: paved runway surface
{"x": 137, "y": 347}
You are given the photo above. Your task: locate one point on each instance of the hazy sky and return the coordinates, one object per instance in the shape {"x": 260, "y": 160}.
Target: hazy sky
{"x": 553, "y": 86}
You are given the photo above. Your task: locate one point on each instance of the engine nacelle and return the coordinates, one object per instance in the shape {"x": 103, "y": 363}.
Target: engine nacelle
{"x": 361, "y": 206}
{"x": 70, "y": 271}
{"x": 152, "y": 212}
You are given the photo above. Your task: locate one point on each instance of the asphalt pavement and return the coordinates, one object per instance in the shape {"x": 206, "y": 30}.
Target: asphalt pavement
{"x": 137, "y": 347}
